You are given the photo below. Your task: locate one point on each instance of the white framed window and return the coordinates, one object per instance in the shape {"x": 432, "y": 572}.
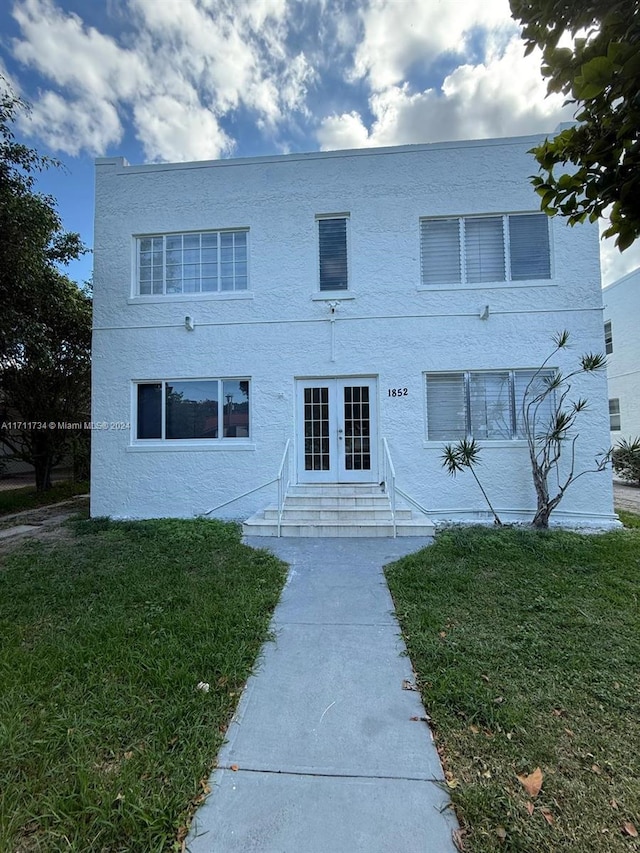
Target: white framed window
{"x": 191, "y": 409}
{"x": 333, "y": 267}
{"x": 608, "y": 337}
{"x": 485, "y": 405}
{"x": 614, "y": 415}
{"x": 206, "y": 262}
{"x": 481, "y": 249}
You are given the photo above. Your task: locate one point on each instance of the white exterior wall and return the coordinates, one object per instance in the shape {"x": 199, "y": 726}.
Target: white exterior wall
{"x": 622, "y": 309}
{"x": 388, "y": 327}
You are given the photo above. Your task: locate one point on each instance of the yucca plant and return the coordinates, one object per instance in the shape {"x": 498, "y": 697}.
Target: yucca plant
{"x": 549, "y": 435}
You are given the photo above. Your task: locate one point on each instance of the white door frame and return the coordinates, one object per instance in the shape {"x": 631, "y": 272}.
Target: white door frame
{"x": 346, "y": 443}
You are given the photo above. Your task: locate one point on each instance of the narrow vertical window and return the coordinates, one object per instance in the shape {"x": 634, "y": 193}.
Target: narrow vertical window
{"x": 529, "y": 246}
{"x": 440, "y": 251}
{"x": 332, "y": 246}
{"x": 614, "y": 415}
{"x": 608, "y": 338}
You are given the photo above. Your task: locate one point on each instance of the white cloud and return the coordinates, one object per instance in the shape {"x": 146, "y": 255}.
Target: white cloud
{"x": 185, "y": 65}
{"x": 73, "y": 125}
{"x": 170, "y": 129}
{"x": 504, "y": 96}
{"x": 70, "y": 54}
{"x": 615, "y": 264}
{"x": 400, "y": 34}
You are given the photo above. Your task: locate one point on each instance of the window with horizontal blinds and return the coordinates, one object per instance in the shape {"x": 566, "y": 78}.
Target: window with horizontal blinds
{"x": 530, "y": 388}
{"x": 529, "y": 246}
{"x": 446, "y": 406}
{"x": 485, "y": 405}
{"x": 440, "y": 251}
{"x": 498, "y": 248}
{"x": 332, "y": 246}
{"x": 490, "y": 403}
{"x": 484, "y": 249}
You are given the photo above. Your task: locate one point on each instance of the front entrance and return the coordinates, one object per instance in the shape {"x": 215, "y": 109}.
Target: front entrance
{"x": 337, "y": 432}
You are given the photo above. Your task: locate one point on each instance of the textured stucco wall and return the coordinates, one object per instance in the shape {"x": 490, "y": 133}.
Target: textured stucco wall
{"x": 622, "y": 308}
{"x": 389, "y": 327}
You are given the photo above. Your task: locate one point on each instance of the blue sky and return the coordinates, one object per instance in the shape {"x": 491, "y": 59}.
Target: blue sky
{"x": 174, "y": 80}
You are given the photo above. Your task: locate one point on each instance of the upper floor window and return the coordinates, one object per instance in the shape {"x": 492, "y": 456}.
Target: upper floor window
{"x": 485, "y": 404}
{"x": 332, "y": 252}
{"x": 210, "y": 262}
{"x": 476, "y": 249}
{"x": 608, "y": 338}
{"x": 614, "y": 414}
{"x": 192, "y": 409}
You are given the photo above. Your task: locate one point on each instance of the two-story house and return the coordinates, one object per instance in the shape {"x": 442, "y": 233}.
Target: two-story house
{"x": 304, "y": 333}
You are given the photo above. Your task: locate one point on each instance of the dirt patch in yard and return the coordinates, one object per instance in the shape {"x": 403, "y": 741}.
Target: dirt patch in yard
{"x": 46, "y": 524}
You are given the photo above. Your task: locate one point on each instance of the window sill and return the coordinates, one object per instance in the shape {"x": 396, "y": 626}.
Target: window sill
{"x": 331, "y": 295}
{"x": 189, "y": 297}
{"x": 484, "y": 443}
{"x": 189, "y": 446}
{"x": 489, "y": 285}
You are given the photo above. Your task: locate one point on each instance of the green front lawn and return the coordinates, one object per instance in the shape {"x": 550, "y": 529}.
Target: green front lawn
{"x": 526, "y": 647}
{"x": 26, "y": 497}
{"x": 106, "y": 741}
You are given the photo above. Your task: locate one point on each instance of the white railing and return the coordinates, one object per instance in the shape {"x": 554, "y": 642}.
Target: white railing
{"x": 282, "y": 489}
{"x": 284, "y": 480}
{"x": 389, "y": 481}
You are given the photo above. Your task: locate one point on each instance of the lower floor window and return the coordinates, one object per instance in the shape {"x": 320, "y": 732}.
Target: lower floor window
{"x": 187, "y": 409}
{"x": 485, "y": 404}
{"x": 614, "y": 414}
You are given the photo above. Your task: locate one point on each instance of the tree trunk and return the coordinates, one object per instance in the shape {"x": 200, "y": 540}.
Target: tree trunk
{"x": 42, "y": 463}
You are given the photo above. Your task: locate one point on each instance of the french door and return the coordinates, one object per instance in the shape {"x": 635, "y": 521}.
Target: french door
{"x": 337, "y": 436}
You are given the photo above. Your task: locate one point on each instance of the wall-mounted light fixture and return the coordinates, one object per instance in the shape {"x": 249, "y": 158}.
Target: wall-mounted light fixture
{"x": 484, "y": 313}
{"x": 189, "y": 323}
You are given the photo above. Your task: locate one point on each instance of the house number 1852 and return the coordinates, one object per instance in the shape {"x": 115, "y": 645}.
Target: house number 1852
{"x": 398, "y": 392}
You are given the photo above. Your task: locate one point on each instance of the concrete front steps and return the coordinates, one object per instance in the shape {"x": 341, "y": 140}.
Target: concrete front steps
{"x": 337, "y": 510}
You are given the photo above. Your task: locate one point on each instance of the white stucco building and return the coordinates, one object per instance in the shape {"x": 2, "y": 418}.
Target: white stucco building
{"x": 360, "y": 308}
{"x": 622, "y": 340}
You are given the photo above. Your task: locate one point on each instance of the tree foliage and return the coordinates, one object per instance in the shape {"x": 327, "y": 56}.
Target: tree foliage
{"x": 45, "y": 323}
{"x": 599, "y": 72}
{"x": 33, "y": 242}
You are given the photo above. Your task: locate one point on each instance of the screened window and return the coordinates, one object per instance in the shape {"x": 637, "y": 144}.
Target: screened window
{"x": 608, "y": 338}
{"x": 190, "y": 409}
{"x": 332, "y": 253}
{"x": 477, "y": 249}
{"x": 211, "y": 262}
{"x": 614, "y": 415}
{"x": 485, "y": 405}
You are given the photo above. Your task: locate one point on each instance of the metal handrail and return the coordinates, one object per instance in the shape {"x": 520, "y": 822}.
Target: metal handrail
{"x": 238, "y": 497}
{"x": 390, "y": 481}
{"x": 283, "y": 488}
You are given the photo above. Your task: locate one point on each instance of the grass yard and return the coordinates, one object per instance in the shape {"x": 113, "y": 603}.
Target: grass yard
{"x": 105, "y": 740}
{"x": 526, "y": 646}
{"x": 26, "y": 497}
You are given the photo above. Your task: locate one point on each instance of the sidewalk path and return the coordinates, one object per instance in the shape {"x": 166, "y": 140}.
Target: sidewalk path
{"x": 328, "y": 758}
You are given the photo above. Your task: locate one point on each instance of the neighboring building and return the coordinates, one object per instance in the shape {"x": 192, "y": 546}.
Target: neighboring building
{"x": 361, "y": 307}
{"x": 622, "y": 344}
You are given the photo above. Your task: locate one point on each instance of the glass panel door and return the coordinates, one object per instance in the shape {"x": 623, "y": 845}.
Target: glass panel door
{"x": 337, "y": 433}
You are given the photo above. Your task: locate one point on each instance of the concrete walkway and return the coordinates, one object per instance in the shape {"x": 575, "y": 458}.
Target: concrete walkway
{"x": 328, "y": 758}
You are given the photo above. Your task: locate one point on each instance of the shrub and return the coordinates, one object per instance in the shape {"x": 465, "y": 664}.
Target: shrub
{"x": 626, "y": 460}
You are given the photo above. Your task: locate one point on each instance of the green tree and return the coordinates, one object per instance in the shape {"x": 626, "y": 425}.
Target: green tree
{"x": 45, "y": 323}
{"x": 33, "y": 243}
{"x": 46, "y": 384}
{"x": 599, "y": 72}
